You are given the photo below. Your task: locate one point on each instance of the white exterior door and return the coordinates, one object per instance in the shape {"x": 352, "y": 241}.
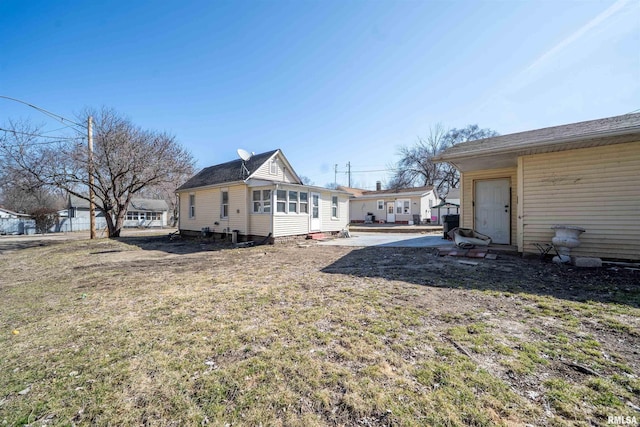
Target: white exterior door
{"x": 391, "y": 215}
{"x": 493, "y": 210}
{"x": 315, "y": 212}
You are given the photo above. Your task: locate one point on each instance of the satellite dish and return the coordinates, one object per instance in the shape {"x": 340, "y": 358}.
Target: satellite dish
{"x": 244, "y": 154}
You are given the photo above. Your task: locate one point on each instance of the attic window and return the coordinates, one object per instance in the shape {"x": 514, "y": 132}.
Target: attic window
{"x": 273, "y": 167}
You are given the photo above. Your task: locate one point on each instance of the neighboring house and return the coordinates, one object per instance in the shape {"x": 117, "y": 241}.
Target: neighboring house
{"x": 6, "y": 213}
{"x": 515, "y": 187}
{"x": 140, "y": 212}
{"x": 399, "y": 206}
{"x": 259, "y": 197}
{"x": 15, "y": 223}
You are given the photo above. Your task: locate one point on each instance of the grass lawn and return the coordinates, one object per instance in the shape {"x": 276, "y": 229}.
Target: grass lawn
{"x": 151, "y": 332}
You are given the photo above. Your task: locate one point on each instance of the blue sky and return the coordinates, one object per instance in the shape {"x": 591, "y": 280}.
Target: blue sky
{"x": 328, "y": 82}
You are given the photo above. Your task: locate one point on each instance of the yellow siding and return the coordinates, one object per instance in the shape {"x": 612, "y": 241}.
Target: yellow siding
{"x": 467, "y": 195}
{"x": 594, "y": 188}
{"x": 259, "y": 224}
{"x": 283, "y": 174}
{"x": 238, "y": 208}
{"x": 208, "y": 204}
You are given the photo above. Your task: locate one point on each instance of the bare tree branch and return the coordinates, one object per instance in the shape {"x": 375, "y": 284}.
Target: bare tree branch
{"x": 126, "y": 160}
{"x": 416, "y": 166}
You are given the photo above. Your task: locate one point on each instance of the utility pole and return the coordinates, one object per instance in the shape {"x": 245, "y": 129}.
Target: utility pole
{"x": 349, "y": 172}
{"x": 335, "y": 175}
{"x": 92, "y": 204}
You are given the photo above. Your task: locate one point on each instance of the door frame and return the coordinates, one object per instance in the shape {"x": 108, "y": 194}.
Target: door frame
{"x": 509, "y": 208}
{"x": 315, "y": 224}
{"x": 391, "y": 215}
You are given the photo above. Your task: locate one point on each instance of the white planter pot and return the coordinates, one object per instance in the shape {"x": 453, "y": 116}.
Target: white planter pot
{"x": 567, "y": 237}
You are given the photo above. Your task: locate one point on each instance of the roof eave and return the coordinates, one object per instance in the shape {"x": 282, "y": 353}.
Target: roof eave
{"x": 473, "y": 160}
{"x": 606, "y": 138}
{"x": 204, "y": 187}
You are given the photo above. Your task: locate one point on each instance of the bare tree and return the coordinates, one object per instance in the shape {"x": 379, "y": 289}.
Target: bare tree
{"x": 20, "y": 191}
{"x": 126, "y": 160}
{"x": 416, "y": 166}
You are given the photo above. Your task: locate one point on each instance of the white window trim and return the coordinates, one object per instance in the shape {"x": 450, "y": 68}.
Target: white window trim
{"x": 262, "y": 202}
{"x": 400, "y": 205}
{"x": 380, "y": 203}
{"x": 288, "y": 200}
{"x": 222, "y": 204}
{"x": 192, "y": 207}
{"x": 273, "y": 167}
{"x": 336, "y": 207}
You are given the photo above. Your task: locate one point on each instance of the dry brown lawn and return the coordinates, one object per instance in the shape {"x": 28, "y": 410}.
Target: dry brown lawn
{"x": 144, "y": 331}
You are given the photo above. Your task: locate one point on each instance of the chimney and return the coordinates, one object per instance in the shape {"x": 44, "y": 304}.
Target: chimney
{"x": 378, "y": 185}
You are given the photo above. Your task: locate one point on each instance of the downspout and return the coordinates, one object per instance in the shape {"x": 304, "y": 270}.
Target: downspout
{"x": 247, "y": 204}
{"x": 274, "y": 207}
{"x": 179, "y": 213}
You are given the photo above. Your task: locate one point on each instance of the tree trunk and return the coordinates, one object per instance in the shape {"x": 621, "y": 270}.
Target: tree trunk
{"x": 111, "y": 227}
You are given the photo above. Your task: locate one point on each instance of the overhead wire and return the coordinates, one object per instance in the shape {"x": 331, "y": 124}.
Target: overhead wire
{"x": 52, "y": 139}
{"x": 58, "y": 117}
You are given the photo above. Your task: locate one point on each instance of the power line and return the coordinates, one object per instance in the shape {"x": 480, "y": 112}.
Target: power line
{"x": 56, "y": 130}
{"x": 53, "y": 139}
{"x": 37, "y": 135}
{"x": 42, "y": 110}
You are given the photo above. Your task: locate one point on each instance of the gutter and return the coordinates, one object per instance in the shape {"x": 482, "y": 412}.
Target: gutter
{"x": 537, "y": 144}
{"x": 219, "y": 185}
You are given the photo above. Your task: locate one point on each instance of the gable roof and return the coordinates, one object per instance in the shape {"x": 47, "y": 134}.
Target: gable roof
{"x": 231, "y": 171}
{"x": 411, "y": 191}
{"x": 10, "y": 212}
{"x": 150, "y": 205}
{"x": 503, "y": 151}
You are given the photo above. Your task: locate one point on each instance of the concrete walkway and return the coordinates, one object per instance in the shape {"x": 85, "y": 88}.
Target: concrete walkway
{"x": 391, "y": 240}
{"x": 394, "y": 228}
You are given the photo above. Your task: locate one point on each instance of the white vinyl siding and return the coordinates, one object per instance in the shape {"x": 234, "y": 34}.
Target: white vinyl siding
{"x": 290, "y": 225}
{"x": 328, "y": 222}
{"x": 594, "y": 188}
{"x": 283, "y": 174}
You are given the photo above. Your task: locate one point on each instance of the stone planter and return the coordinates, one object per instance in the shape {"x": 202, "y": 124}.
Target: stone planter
{"x": 567, "y": 237}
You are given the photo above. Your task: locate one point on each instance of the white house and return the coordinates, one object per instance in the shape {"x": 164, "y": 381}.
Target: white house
{"x": 261, "y": 197}
{"x": 140, "y": 212}
{"x": 399, "y": 206}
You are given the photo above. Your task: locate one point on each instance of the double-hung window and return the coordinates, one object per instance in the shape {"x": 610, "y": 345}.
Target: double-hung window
{"x": 304, "y": 203}
{"x": 334, "y": 206}
{"x": 380, "y": 205}
{"x": 192, "y": 205}
{"x": 403, "y": 207}
{"x": 224, "y": 206}
{"x": 261, "y": 201}
{"x": 293, "y": 201}
{"x": 281, "y": 201}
